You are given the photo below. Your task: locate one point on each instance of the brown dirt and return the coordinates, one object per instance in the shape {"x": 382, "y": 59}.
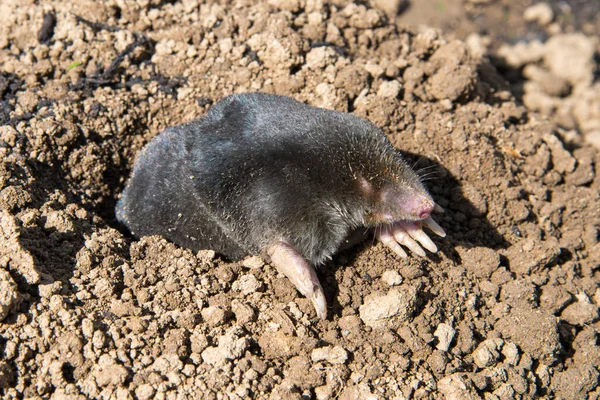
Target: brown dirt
{"x": 507, "y": 309}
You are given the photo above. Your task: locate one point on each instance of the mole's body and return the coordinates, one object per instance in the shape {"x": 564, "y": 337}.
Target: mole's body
{"x": 267, "y": 174}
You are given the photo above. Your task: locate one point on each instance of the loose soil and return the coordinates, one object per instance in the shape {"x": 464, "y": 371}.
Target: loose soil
{"x": 508, "y": 308}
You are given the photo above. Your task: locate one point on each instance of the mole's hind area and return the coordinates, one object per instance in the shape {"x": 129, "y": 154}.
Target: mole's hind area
{"x": 267, "y": 174}
{"x": 163, "y": 197}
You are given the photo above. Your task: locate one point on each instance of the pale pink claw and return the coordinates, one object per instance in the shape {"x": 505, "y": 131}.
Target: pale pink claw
{"x": 416, "y": 232}
{"x": 404, "y": 235}
{"x": 387, "y": 239}
{"x": 290, "y": 262}
{"x": 434, "y": 227}
{"x": 411, "y": 235}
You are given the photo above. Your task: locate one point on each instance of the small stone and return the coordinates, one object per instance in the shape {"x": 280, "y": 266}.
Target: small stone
{"x": 510, "y": 351}
{"x": 253, "y": 262}
{"x": 144, "y": 392}
{"x": 374, "y": 69}
{"x": 457, "y": 386}
{"x": 111, "y": 376}
{"x": 389, "y": 89}
{"x": 581, "y": 312}
{"x": 47, "y": 290}
{"x": 231, "y": 347}
{"x": 324, "y": 392}
{"x": 488, "y": 352}
{"x": 247, "y": 284}
{"x": 167, "y": 364}
{"x": 320, "y": 57}
{"x": 98, "y": 339}
{"x": 103, "y": 288}
{"x": 377, "y": 308}
{"x": 244, "y": 313}
{"x": 87, "y": 327}
{"x": 215, "y": 315}
{"x": 206, "y": 255}
{"x": 391, "y": 277}
{"x": 333, "y": 355}
{"x": 445, "y": 334}
{"x": 541, "y": 13}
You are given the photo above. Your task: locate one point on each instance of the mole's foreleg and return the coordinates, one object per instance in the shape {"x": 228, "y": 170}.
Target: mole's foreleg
{"x": 292, "y": 264}
{"x": 411, "y": 235}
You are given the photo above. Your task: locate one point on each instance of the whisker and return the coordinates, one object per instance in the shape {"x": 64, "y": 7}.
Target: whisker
{"x": 416, "y": 162}
{"x": 427, "y": 178}
{"x": 420, "y": 170}
{"x": 429, "y": 175}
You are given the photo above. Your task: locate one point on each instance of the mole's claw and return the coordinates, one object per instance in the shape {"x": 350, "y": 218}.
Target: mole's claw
{"x": 438, "y": 209}
{"x": 388, "y": 240}
{"x": 294, "y": 266}
{"x": 434, "y": 227}
{"x": 318, "y": 300}
{"x": 403, "y": 236}
{"x": 416, "y": 232}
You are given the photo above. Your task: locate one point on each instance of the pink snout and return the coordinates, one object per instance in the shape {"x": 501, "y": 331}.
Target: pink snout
{"x": 418, "y": 205}
{"x": 425, "y": 209}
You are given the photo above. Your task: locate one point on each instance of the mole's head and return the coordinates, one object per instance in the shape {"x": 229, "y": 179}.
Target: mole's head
{"x": 388, "y": 188}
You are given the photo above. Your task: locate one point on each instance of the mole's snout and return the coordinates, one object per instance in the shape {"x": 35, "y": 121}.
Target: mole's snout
{"x": 417, "y": 205}
{"x": 425, "y": 209}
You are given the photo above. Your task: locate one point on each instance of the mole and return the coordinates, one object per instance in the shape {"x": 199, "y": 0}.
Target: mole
{"x": 266, "y": 174}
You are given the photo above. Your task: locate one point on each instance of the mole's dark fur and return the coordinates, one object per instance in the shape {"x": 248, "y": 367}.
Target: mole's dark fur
{"x": 259, "y": 168}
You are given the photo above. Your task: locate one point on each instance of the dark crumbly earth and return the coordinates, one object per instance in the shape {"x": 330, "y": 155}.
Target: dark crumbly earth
{"x": 508, "y": 308}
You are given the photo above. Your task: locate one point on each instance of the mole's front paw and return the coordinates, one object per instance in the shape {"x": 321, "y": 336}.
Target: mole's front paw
{"x": 411, "y": 235}
{"x": 292, "y": 264}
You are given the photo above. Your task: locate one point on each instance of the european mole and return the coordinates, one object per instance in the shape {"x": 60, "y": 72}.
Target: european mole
{"x": 267, "y": 174}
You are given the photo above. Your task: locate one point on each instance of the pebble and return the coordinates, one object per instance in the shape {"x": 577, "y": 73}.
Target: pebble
{"x": 111, "y": 376}
{"x": 144, "y": 392}
{"x": 254, "y": 262}
{"x": 87, "y": 327}
{"x": 389, "y": 89}
{"x": 391, "y": 277}
{"x": 98, "y": 339}
{"x": 333, "y": 355}
{"x": 377, "y": 308}
{"x": 541, "y": 13}
{"x": 247, "y": 284}
{"x": 488, "y": 352}
{"x": 215, "y": 315}
{"x": 231, "y": 347}
{"x": 445, "y": 334}
{"x": 510, "y": 351}
{"x": 320, "y": 57}
{"x": 581, "y": 312}
{"x": 457, "y": 386}
{"x": 374, "y": 69}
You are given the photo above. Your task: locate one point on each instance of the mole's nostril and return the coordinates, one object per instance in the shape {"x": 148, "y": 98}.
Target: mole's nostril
{"x": 425, "y": 210}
